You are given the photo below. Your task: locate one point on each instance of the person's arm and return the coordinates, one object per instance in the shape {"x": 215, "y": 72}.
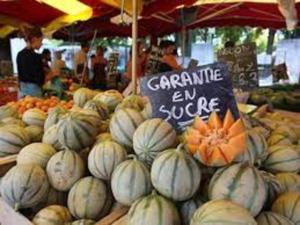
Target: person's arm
{"x": 172, "y": 62}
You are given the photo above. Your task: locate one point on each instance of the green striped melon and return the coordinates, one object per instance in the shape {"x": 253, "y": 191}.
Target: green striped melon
{"x": 123, "y": 125}
{"x": 24, "y": 186}
{"x": 188, "y": 208}
{"x": 147, "y": 111}
{"x": 104, "y": 158}
{"x": 263, "y": 131}
{"x": 35, "y": 117}
{"x": 152, "y": 137}
{"x": 76, "y": 131}
{"x": 274, "y": 187}
{"x": 278, "y": 139}
{"x": 289, "y": 181}
{"x": 111, "y": 98}
{"x": 288, "y": 205}
{"x": 221, "y": 212}
{"x": 14, "y": 121}
{"x": 133, "y": 102}
{"x": 35, "y": 133}
{"x": 271, "y": 218}
{"x": 103, "y": 137}
{"x": 64, "y": 169}
{"x": 82, "y": 95}
{"x": 287, "y": 132}
{"x": 53, "y": 197}
{"x": 83, "y": 222}
{"x": 12, "y": 139}
{"x": 104, "y": 126}
{"x": 130, "y": 181}
{"x": 51, "y": 137}
{"x": 241, "y": 184}
{"x": 282, "y": 158}
{"x": 98, "y": 107}
{"x": 175, "y": 174}
{"x": 53, "y": 215}
{"x": 153, "y": 209}
{"x": 8, "y": 111}
{"x": 256, "y": 149}
{"x": 88, "y": 198}
{"x": 36, "y": 153}
{"x": 54, "y": 115}
{"x": 94, "y": 118}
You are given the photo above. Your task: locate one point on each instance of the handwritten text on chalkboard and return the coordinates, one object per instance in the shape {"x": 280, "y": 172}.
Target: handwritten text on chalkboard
{"x": 242, "y": 65}
{"x": 179, "y": 97}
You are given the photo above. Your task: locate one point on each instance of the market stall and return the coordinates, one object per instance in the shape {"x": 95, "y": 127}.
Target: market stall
{"x": 181, "y": 152}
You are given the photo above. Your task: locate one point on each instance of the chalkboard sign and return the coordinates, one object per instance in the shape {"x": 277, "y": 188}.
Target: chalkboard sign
{"x": 180, "y": 96}
{"x": 242, "y": 65}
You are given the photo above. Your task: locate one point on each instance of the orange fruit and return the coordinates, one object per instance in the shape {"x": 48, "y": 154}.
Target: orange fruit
{"x": 44, "y": 108}
{"x": 29, "y": 106}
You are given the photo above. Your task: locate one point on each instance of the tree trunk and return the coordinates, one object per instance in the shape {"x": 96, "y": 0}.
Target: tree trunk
{"x": 271, "y": 37}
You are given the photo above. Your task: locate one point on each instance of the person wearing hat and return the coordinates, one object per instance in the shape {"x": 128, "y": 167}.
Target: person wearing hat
{"x": 58, "y": 64}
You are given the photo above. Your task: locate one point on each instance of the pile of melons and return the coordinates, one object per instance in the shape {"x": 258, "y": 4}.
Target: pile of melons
{"x": 108, "y": 150}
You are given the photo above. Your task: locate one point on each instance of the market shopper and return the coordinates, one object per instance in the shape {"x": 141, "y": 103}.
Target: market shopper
{"x": 99, "y": 63}
{"x": 81, "y": 62}
{"x": 141, "y": 63}
{"x": 169, "y": 62}
{"x": 58, "y": 63}
{"x": 30, "y": 64}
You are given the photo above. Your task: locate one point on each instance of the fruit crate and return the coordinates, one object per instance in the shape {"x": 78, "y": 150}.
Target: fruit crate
{"x": 10, "y": 217}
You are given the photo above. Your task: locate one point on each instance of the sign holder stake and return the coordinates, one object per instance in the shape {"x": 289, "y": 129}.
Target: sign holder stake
{"x": 134, "y": 44}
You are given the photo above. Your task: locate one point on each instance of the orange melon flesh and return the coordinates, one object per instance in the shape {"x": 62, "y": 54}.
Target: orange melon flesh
{"x": 191, "y": 139}
{"x": 214, "y": 121}
{"x": 228, "y": 120}
{"x": 200, "y": 125}
{"x": 236, "y": 129}
{"x": 218, "y": 158}
{"x": 218, "y": 142}
{"x": 239, "y": 142}
{"x": 192, "y": 148}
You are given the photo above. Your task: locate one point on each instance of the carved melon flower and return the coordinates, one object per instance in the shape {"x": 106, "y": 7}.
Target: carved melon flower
{"x": 216, "y": 143}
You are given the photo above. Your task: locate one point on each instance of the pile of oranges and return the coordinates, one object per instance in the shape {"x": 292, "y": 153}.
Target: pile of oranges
{"x": 44, "y": 104}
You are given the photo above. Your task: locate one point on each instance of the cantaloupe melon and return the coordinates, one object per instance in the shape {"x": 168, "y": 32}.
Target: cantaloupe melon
{"x": 88, "y": 198}
{"x": 24, "y": 186}
{"x": 64, "y": 169}
{"x": 221, "y": 212}
{"x": 36, "y": 153}
{"x": 153, "y": 209}
{"x": 12, "y": 139}
{"x": 53, "y": 215}
{"x": 152, "y": 137}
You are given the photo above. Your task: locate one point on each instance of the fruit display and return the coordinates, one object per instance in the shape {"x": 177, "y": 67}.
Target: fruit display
{"x": 77, "y": 163}
{"x": 281, "y": 97}
{"x": 28, "y": 102}
{"x": 8, "y": 90}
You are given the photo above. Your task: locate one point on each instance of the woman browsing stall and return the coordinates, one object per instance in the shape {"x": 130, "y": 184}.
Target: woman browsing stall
{"x": 30, "y": 65}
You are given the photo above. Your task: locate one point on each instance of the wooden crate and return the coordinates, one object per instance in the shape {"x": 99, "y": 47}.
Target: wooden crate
{"x": 6, "y": 163}
{"x": 9, "y": 217}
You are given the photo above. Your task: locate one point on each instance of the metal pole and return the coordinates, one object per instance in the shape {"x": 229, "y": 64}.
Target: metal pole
{"x": 134, "y": 44}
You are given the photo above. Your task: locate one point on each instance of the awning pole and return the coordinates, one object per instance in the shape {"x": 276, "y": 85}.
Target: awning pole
{"x": 134, "y": 44}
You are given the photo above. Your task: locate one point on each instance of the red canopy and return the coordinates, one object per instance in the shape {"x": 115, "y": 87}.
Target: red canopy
{"x": 36, "y": 13}
{"x": 157, "y": 22}
{"x": 159, "y": 17}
